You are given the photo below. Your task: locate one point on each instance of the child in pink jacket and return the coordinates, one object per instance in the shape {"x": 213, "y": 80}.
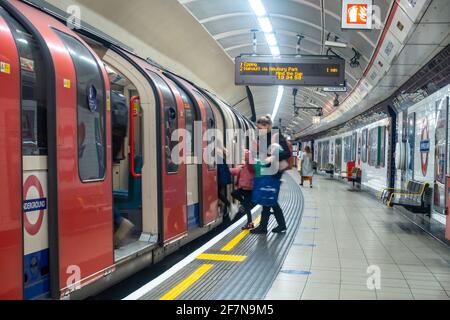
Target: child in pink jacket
{"x": 245, "y": 174}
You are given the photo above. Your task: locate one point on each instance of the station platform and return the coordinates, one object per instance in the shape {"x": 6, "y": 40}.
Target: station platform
{"x": 342, "y": 234}
{"x": 339, "y": 245}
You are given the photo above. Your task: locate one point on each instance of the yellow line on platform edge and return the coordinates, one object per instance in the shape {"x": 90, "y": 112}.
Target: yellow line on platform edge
{"x": 234, "y": 242}
{"x": 186, "y": 283}
{"x": 221, "y": 257}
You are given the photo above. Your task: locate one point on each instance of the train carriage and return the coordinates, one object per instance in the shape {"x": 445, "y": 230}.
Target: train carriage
{"x": 90, "y": 136}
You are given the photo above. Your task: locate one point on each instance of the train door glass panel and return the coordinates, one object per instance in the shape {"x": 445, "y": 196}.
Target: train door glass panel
{"x": 170, "y": 126}
{"x": 34, "y": 99}
{"x": 319, "y": 154}
{"x": 90, "y": 111}
{"x": 373, "y": 147}
{"x": 347, "y": 149}
{"x": 381, "y": 147}
{"x": 364, "y": 145}
{"x": 440, "y": 155}
{"x": 325, "y": 153}
{"x": 338, "y": 155}
{"x": 210, "y": 134}
{"x": 411, "y": 145}
{"x": 34, "y": 152}
{"x": 354, "y": 145}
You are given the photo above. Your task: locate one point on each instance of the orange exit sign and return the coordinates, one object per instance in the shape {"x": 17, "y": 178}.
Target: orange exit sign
{"x": 357, "y": 14}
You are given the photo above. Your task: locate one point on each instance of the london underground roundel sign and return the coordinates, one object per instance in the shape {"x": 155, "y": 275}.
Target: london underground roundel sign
{"x": 34, "y": 204}
{"x": 424, "y": 147}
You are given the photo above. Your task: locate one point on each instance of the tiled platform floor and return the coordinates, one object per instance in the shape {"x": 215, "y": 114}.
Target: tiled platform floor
{"x": 342, "y": 233}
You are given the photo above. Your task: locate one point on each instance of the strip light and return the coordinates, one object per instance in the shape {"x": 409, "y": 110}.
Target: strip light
{"x": 258, "y": 8}
{"x": 277, "y": 102}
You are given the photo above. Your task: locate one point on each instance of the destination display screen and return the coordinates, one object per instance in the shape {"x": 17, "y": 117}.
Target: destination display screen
{"x": 302, "y": 71}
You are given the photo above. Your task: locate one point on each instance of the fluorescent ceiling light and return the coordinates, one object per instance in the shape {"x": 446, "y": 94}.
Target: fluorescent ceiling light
{"x": 271, "y": 40}
{"x": 275, "y": 51}
{"x": 277, "y": 102}
{"x": 316, "y": 120}
{"x": 335, "y": 44}
{"x": 258, "y": 7}
{"x": 265, "y": 24}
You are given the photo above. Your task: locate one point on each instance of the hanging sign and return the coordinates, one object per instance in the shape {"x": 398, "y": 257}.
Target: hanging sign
{"x": 357, "y": 14}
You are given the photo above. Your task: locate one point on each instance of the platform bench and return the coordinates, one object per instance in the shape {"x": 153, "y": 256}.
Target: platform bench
{"x": 415, "y": 198}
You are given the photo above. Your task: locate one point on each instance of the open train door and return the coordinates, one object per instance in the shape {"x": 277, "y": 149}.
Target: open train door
{"x": 11, "y": 282}
{"x": 79, "y": 153}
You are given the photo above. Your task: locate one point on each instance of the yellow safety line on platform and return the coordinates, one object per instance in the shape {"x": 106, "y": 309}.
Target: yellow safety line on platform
{"x": 221, "y": 257}
{"x": 234, "y": 242}
{"x": 186, "y": 283}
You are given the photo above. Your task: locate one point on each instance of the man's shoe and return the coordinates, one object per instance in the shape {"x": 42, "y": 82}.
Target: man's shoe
{"x": 279, "y": 229}
{"x": 258, "y": 230}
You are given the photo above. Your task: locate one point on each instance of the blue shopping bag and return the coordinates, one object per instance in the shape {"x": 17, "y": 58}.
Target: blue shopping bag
{"x": 266, "y": 190}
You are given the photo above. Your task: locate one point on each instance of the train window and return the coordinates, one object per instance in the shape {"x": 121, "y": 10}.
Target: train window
{"x": 210, "y": 127}
{"x": 382, "y": 148}
{"x": 354, "y": 145}
{"x": 373, "y": 147}
{"x": 90, "y": 110}
{"x": 170, "y": 121}
{"x": 190, "y": 116}
{"x": 33, "y": 90}
{"x": 338, "y": 155}
{"x": 365, "y": 141}
{"x": 347, "y": 149}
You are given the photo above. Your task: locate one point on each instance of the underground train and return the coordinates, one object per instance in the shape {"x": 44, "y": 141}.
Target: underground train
{"x": 391, "y": 151}
{"x": 85, "y": 130}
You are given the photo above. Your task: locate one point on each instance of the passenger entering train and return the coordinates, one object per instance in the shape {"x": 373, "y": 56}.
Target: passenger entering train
{"x": 265, "y": 126}
{"x": 245, "y": 174}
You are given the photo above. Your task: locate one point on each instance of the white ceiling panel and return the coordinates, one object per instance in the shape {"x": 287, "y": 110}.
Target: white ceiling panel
{"x": 415, "y": 54}
{"x": 430, "y": 33}
{"x": 392, "y": 81}
{"x": 403, "y": 69}
{"x": 438, "y": 12}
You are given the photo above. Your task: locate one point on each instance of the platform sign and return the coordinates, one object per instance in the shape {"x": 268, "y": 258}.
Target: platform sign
{"x": 357, "y": 14}
{"x": 318, "y": 71}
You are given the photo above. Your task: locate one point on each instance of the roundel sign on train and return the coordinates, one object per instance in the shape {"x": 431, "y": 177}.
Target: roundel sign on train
{"x": 34, "y": 204}
{"x": 424, "y": 147}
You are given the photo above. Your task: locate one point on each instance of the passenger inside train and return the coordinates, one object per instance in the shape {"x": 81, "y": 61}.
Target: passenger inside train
{"x": 145, "y": 145}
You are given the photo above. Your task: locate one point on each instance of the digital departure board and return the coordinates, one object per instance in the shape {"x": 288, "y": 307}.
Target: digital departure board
{"x": 318, "y": 71}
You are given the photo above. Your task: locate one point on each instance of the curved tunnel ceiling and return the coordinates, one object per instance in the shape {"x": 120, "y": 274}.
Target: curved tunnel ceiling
{"x": 229, "y": 23}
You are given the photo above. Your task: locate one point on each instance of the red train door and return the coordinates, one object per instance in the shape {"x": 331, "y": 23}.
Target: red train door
{"x": 11, "y": 270}
{"x": 209, "y": 170}
{"x": 173, "y": 169}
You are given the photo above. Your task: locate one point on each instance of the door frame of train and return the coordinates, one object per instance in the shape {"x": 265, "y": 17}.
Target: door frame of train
{"x": 145, "y": 70}
{"x": 12, "y": 276}
{"x": 151, "y": 201}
